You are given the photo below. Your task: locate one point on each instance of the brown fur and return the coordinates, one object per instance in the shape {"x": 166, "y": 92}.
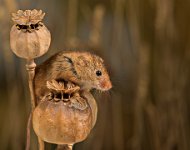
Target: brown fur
{"x": 77, "y": 67}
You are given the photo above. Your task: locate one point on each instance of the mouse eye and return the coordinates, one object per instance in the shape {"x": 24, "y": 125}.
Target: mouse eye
{"x": 98, "y": 73}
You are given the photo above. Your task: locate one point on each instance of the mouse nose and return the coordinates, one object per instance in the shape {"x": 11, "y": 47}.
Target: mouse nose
{"x": 106, "y": 85}
{"x": 109, "y": 85}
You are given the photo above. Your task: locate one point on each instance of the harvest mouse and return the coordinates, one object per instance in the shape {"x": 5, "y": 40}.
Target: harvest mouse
{"x": 82, "y": 68}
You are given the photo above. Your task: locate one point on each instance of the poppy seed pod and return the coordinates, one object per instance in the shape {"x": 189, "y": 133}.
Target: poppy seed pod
{"x": 64, "y": 116}
{"x": 29, "y": 38}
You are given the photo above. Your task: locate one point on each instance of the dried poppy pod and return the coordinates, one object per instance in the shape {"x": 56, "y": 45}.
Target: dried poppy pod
{"x": 64, "y": 116}
{"x": 29, "y": 38}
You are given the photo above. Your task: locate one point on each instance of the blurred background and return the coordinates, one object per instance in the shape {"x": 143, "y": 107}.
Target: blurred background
{"x": 146, "y": 47}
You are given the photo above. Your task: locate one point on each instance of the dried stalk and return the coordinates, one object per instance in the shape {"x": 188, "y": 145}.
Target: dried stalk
{"x": 41, "y": 144}
{"x": 70, "y": 146}
{"x": 65, "y": 147}
{"x": 28, "y": 132}
{"x": 30, "y": 67}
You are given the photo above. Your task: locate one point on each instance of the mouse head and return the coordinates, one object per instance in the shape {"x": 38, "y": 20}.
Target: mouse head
{"x": 92, "y": 71}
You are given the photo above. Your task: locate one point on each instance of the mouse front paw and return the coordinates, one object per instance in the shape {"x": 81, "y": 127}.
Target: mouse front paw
{"x": 78, "y": 102}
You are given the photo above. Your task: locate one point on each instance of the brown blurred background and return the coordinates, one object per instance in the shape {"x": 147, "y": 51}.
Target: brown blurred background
{"x": 146, "y": 47}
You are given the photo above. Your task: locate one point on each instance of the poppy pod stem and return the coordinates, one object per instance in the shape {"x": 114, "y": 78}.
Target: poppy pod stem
{"x": 70, "y": 146}
{"x": 30, "y": 67}
{"x": 41, "y": 144}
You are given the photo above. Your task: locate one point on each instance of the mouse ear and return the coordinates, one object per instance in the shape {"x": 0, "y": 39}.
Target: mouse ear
{"x": 82, "y": 61}
{"x": 64, "y": 63}
{"x": 69, "y": 60}
{"x": 98, "y": 59}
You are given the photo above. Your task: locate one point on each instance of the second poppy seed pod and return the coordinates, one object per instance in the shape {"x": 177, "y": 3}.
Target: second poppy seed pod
{"x": 64, "y": 116}
{"x": 29, "y": 37}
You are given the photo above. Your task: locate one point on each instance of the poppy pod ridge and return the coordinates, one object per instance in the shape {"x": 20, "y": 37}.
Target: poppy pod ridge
{"x": 29, "y": 37}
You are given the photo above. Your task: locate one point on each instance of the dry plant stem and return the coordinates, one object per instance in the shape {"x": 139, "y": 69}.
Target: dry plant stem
{"x": 41, "y": 144}
{"x": 70, "y": 146}
{"x": 28, "y": 132}
{"x": 65, "y": 147}
{"x": 30, "y": 67}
